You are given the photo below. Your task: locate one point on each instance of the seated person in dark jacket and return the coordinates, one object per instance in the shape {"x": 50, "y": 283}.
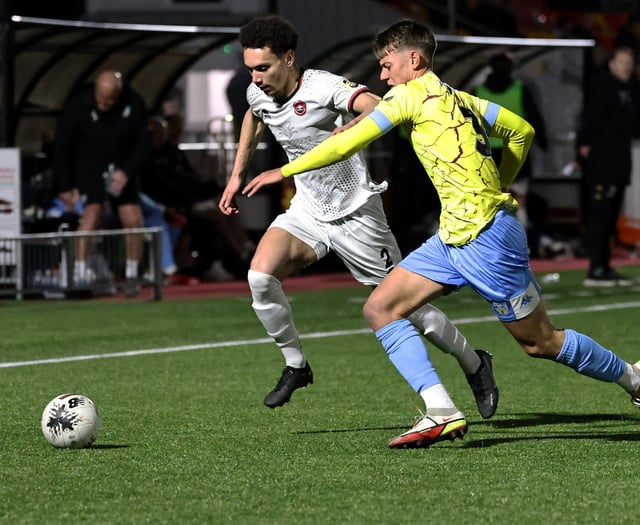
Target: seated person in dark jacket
{"x": 170, "y": 180}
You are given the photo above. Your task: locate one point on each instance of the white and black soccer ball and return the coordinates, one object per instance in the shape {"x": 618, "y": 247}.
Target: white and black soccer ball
{"x": 70, "y": 421}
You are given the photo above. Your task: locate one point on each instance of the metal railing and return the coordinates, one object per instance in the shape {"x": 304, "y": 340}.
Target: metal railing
{"x": 43, "y": 264}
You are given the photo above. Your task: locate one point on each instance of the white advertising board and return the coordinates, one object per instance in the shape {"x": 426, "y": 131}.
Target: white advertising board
{"x": 10, "y": 203}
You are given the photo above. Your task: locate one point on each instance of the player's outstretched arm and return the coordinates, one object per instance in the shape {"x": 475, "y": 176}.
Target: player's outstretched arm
{"x": 336, "y": 148}
{"x": 250, "y": 135}
{"x": 331, "y": 150}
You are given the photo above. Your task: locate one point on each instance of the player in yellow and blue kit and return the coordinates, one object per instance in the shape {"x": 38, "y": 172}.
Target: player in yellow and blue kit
{"x": 479, "y": 243}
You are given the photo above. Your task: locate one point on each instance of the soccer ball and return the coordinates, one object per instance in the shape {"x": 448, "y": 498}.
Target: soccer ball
{"x": 70, "y": 421}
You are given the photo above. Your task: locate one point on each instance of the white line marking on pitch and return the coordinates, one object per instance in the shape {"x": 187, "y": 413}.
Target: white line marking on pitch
{"x": 267, "y": 340}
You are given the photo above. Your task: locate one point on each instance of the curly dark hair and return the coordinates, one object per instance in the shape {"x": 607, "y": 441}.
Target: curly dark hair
{"x": 270, "y": 31}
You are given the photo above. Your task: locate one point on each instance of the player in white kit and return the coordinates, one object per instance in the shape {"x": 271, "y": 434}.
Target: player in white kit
{"x": 335, "y": 208}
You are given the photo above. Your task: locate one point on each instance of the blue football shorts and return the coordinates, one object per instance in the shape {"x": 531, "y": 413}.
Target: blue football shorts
{"x": 495, "y": 264}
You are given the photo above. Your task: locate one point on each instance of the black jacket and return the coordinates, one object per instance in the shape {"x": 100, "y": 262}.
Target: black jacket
{"x": 609, "y": 122}
{"x": 169, "y": 179}
{"x": 88, "y": 141}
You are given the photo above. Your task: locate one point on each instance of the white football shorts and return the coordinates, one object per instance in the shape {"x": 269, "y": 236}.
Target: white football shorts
{"x": 362, "y": 239}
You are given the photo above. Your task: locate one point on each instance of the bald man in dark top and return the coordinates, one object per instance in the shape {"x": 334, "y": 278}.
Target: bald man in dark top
{"x": 102, "y": 144}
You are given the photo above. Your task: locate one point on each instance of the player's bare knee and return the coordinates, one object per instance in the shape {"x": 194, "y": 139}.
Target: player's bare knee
{"x": 545, "y": 349}
{"x": 263, "y": 262}
{"x": 373, "y": 313}
{"x": 533, "y": 351}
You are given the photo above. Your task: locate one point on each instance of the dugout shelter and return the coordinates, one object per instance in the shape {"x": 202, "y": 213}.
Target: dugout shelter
{"x": 43, "y": 61}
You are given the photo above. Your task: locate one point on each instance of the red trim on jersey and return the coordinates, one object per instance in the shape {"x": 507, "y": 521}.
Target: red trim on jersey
{"x": 363, "y": 89}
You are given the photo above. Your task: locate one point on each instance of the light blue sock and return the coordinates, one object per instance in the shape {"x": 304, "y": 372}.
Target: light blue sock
{"x": 588, "y": 358}
{"x": 408, "y": 354}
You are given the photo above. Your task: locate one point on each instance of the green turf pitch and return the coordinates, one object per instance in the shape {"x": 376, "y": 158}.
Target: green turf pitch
{"x": 186, "y": 440}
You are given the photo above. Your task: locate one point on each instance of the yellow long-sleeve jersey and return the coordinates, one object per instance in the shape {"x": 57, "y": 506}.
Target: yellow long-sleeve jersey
{"x": 449, "y": 132}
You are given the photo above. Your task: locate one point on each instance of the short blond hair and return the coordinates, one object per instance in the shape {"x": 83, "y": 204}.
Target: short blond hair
{"x": 405, "y": 34}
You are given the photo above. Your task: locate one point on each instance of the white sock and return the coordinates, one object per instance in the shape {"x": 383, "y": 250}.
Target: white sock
{"x": 131, "y": 271}
{"x": 79, "y": 268}
{"x": 436, "y": 397}
{"x": 630, "y": 380}
{"x": 441, "y": 332}
{"x": 274, "y": 312}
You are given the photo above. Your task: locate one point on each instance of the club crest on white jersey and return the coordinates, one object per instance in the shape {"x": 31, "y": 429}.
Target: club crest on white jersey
{"x": 322, "y": 102}
{"x": 299, "y": 107}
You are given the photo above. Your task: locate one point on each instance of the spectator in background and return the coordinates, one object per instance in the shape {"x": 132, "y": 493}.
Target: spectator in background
{"x": 237, "y": 97}
{"x": 101, "y": 145}
{"x": 170, "y": 180}
{"x": 629, "y": 36}
{"x": 503, "y": 89}
{"x": 155, "y": 214}
{"x": 610, "y": 119}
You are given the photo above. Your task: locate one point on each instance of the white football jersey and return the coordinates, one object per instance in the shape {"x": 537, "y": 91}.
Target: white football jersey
{"x": 322, "y": 102}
